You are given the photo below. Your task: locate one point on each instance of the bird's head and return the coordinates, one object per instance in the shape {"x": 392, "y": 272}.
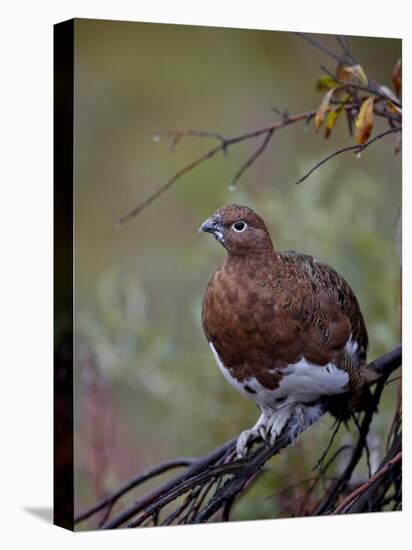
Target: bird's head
{"x": 239, "y": 229}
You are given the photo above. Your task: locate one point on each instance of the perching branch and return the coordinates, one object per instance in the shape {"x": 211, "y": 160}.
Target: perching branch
{"x": 109, "y": 502}
{"x": 228, "y": 478}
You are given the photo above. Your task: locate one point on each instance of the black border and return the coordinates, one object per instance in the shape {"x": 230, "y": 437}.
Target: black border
{"x": 63, "y": 479}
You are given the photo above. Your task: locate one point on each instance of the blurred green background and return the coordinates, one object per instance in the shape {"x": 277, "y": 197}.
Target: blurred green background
{"x": 146, "y": 385}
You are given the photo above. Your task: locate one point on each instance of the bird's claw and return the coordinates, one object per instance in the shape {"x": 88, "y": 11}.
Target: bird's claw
{"x": 263, "y": 433}
{"x": 259, "y": 430}
{"x": 243, "y": 442}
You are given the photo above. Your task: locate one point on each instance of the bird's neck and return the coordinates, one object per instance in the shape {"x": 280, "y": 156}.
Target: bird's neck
{"x": 252, "y": 260}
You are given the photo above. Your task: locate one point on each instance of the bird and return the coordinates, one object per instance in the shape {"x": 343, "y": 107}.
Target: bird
{"x": 285, "y": 329}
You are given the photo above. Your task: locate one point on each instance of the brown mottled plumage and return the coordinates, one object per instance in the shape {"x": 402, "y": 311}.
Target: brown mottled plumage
{"x": 283, "y": 327}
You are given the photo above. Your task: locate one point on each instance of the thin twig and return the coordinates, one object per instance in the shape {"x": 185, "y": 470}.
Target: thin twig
{"x": 299, "y": 483}
{"x": 319, "y": 463}
{"x": 369, "y": 89}
{"x": 397, "y": 417}
{"x": 252, "y": 159}
{"x": 370, "y": 499}
{"x": 320, "y": 47}
{"x": 335, "y": 456}
{"x": 208, "y": 155}
{"x": 149, "y": 474}
{"x": 200, "y": 499}
{"x": 367, "y": 452}
{"x": 343, "y": 42}
{"x": 357, "y": 492}
{"x": 177, "y": 135}
{"x": 355, "y": 148}
{"x": 328, "y": 502}
{"x": 176, "y": 513}
{"x": 394, "y": 379}
{"x": 197, "y": 466}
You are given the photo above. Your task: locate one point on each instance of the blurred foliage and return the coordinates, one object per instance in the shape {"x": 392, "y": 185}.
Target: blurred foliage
{"x": 139, "y": 289}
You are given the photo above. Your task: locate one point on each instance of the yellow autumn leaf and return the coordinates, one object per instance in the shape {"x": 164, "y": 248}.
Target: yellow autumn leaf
{"x": 323, "y": 107}
{"x": 331, "y": 119}
{"x": 364, "y": 121}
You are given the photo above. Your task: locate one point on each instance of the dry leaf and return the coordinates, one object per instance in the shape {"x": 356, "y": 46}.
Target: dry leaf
{"x": 364, "y": 121}
{"x": 397, "y": 77}
{"x": 351, "y": 73}
{"x": 323, "y": 107}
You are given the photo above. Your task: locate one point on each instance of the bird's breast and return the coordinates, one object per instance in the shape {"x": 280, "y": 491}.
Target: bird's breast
{"x": 248, "y": 323}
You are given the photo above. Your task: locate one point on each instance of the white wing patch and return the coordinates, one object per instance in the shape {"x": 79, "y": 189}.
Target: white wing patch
{"x": 351, "y": 347}
{"x": 307, "y": 382}
{"x": 303, "y": 382}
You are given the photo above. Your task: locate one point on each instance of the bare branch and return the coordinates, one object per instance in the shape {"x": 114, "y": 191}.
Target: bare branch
{"x": 343, "y": 42}
{"x": 355, "y": 148}
{"x": 199, "y": 465}
{"x": 177, "y": 135}
{"x": 319, "y": 464}
{"x": 320, "y": 47}
{"x": 385, "y": 365}
{"x": 252, "y": 159}
{"x": 373, "y": 496}
{"x": 153, "y": 472}
{"x": 366, "y": 447}
{"x": 208, "y": 155}
{"x": 341, "y": 508}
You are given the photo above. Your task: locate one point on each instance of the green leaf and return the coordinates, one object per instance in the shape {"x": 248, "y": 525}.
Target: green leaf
{"x": 325, "y": 83}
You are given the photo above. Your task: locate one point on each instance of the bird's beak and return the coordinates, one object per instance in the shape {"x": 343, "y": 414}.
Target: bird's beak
{"x": 213, "y": 225}
{"x": 208, "y": 226}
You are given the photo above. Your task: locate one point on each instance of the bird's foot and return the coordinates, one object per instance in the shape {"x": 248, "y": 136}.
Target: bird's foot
{"x": 244, "y": 439}
{"x": 270, "y": 426}
{"x": 298, "y": 417}
{"x": 277, "y": 422}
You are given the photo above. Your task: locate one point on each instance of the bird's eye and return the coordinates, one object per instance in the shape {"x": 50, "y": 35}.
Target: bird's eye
{"x": 239, "y": 226}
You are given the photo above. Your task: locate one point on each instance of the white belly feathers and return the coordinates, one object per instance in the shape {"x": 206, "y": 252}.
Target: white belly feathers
{"x": 303, "y": 382}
